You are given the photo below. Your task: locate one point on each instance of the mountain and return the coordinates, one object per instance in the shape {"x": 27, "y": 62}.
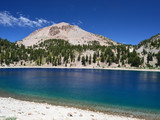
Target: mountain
{"x": 66, "y": 45}
{"x": 149, "y": 50}
{"x": 71, "y": 33}
{"x": 150, "y": 45}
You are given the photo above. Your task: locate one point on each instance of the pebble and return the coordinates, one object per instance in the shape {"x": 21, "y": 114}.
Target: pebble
{"x": 29, "y": 113}
{"x": 92, "y": 115}
{"x": 42, "y": 113}
{"x": 19, "y": 113}
{"x": 70, "y": 115}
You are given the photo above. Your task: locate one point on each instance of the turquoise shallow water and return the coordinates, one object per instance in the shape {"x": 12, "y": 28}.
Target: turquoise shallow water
{"x": 123, "y": 92}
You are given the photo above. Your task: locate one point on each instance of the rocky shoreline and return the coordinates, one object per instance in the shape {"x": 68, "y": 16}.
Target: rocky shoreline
{"x": 24, "y": 110}
{"x": 94, "y": 68}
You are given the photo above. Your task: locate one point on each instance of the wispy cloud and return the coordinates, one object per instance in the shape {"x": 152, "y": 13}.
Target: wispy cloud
{"x": 79, "y": 22}
{"x": 7, "y": 19}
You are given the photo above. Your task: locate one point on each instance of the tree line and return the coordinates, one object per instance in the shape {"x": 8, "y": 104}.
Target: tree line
{"x": 57, "y": 52}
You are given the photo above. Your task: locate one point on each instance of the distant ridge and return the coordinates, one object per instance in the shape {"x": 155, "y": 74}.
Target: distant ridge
{"x": 150, "y": 45}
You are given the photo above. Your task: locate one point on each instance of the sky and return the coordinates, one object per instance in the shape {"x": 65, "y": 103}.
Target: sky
{"x": 124, "y": 21}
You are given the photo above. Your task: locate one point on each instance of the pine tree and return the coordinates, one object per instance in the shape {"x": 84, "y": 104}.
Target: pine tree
{"x": 158, "y": 58}
{"x": 83, "y": 61}
{"x": 94, "y": 58}
{"x": 79, "y": 58}
{"x": 149, "y": 57}
{"x": 59, "y": 60}
{"x": 90, "y": 59}
{"x": 102, "y": 58}
{"x": 86, "y": 58}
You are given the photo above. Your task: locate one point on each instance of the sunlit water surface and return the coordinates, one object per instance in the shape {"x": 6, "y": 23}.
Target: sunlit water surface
{"x": 122, "y": 92}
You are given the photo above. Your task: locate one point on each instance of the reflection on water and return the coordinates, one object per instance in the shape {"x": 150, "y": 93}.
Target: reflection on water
{"x": 98, "y": 87}
{"x": 149, "y": 81}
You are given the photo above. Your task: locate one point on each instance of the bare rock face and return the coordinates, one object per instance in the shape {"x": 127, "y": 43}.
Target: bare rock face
{"x": 71, "y": 33}
{"x": 54, "y": 30}
{"x": 66, "y": 28}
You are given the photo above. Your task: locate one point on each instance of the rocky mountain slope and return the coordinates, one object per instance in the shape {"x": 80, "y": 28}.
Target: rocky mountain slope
{"x": 149, "y": 50}
{"x": 71, "y": 33}
{"x": 151, "y": 45}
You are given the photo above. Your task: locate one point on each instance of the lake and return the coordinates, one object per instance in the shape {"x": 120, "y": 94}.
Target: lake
{"x": 121, "y": 92}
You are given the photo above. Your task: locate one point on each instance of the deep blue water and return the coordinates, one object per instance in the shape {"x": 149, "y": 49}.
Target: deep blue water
{"x": 133, "y": 91}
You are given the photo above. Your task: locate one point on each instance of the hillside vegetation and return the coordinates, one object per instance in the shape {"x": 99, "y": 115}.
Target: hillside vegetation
{"x": 57, "y": 52}
{"x": 153, "y": 42}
